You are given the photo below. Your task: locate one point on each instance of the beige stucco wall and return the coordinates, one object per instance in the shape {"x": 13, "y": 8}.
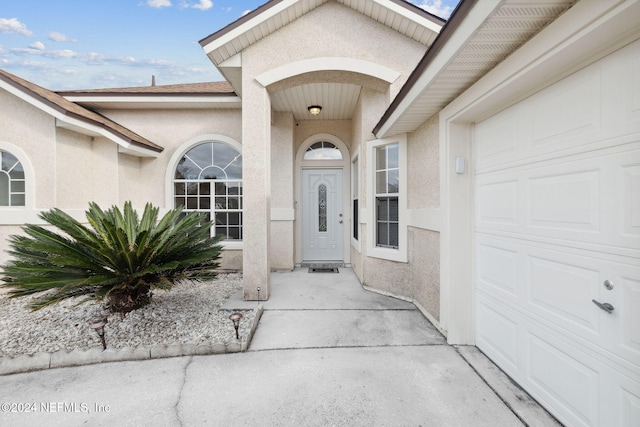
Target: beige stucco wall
{"x": 370, "y": 108}
{"x": 344, "y": 33}
{"x": 307, "y": 128}
{"x": 423, "y": 166}
{"x": 282, "y": 189}
{"x": 419, "y": 278}
{"x": 143, "y": 180}
{"x": 86, "y": 171}
{"x": 69, "y": 169}
{"x": 34, "y": 132}
{"x": 357, "y": 145}
{"x": 334, "y": 30}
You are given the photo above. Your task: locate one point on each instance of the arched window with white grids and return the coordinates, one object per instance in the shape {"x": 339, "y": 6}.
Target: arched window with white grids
{"x": 12, "y": 180}
{"x": 208, "y": 179}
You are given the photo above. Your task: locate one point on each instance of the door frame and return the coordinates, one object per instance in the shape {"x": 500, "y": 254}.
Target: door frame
{"x": 345, "y": 165}
{"x": 332, "y": 211}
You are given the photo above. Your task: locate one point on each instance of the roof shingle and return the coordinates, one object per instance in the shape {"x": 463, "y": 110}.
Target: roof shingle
{"x": 73, "y": 110}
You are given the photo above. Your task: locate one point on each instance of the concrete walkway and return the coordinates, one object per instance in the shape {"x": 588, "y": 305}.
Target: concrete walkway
{"x": 326, "y": 353}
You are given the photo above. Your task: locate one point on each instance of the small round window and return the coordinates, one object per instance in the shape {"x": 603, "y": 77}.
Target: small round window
{"x": 322, "y": 150}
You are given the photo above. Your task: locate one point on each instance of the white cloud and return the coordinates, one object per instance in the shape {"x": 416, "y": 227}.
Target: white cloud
{"x": 59, "y": 37}
{"x": 246, "y": 12}
{"x": 38, "y": 49}
{"x": 8, "y": 26}
{"x": 37, "y": 46}
{"x": 203, "y": 5}
{"x": 227, "y": 9}
{"x": 435, "y": 7}
{"x": 159, "y": 3}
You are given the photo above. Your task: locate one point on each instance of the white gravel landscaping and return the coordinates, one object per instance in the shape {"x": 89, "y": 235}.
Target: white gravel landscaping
{"x": 188, "y": 314}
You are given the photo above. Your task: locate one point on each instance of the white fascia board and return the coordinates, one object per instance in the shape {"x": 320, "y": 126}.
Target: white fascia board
{"x": 155, "y": 99}
{"x": 32, "y": 100}
{"x": 412, "y": 16}
{"x": 254, "y": 22}
{"x": 480, "y": 12}
{"x": 93, "y": 130}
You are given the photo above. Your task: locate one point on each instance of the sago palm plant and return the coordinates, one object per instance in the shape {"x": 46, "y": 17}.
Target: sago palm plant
{"x": 120, "y": 257}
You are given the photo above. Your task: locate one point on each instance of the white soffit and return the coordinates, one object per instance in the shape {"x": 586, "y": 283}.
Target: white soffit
{"x": 412, "y": 24}
{"x": 490, "y": 32}
{"x": 338, "y": 100}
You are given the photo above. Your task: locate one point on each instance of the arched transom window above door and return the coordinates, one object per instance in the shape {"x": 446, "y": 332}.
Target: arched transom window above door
{"x": 323, "y": 150}
{"x": 208, "y": 179}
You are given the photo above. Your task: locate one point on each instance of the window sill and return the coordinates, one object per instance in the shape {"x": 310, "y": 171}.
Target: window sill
{"x": 388, "y": 254}
{"x": 232, "y": 245}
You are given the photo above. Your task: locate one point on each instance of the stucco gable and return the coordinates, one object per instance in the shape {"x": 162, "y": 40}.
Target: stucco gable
{"x": 75, "y": 117}
{"x": 224, "y": 46}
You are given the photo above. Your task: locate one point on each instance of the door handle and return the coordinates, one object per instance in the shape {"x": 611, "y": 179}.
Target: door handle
{"x": 605, "y": 306}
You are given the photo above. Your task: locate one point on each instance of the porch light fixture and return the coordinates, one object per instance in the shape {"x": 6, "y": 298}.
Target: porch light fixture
{"x": 314, "y": 109}
{"x": 235, "y": 318}
{"x": 98, "y": 326}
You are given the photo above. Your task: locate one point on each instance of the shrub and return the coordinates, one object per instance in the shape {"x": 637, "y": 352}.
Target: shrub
{"x": 119, "y": 257}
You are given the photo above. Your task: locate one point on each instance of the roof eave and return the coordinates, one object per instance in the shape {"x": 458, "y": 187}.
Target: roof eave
{"x": 79, "y": 123}
{"x": 416, "y": 83}
{"x": 218, "y": 40}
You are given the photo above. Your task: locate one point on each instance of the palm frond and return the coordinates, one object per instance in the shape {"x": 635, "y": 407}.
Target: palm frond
{"x": 118, "y": 252}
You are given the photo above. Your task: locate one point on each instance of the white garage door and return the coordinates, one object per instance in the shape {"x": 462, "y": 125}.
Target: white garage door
{"x": 557, "y": 226}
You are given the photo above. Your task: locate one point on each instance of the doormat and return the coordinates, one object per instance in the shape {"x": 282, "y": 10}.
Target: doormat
{"x": 323, "y": 270}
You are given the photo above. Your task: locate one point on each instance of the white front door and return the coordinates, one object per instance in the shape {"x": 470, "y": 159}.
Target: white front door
{"x": 322, "y": 215}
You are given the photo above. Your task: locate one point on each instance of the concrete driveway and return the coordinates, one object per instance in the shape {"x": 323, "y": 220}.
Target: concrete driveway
{"x": 326, "y": 353}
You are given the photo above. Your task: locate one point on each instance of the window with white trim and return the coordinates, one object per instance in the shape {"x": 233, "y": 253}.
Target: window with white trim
{"x": 387, "y": 195}
{"x": 387, "y": 191}
{"x": 12, "y": 180}
{"x": 355, "y": 194}
{"x": 208, "y": 179}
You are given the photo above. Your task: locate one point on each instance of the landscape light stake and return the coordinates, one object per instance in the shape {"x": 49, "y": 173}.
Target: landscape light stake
{"x": 98, "y": 326}
{"x": 235, "y": 318}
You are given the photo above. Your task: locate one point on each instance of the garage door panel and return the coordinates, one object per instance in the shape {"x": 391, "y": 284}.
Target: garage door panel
{"x": 630, "y": 341}
{"x": 557, "y": 221}
{"x": 599, "y": 103}
{"x": 628, "y": 98}
{"x": 565, "y": 201}
{"x": 572, "y": 109}
{"x": 496, "y": 140}
{"x": 630, "y": 407}
{"x": 563, "y": 377}
{"x": 557, "y": 287}
{"x": 498, "y": 203}
{"x": 497, "y": 267}
{"x": 499, "y": 335}
{"x": 593, "y": 199}
{"x": 631, "y": 203}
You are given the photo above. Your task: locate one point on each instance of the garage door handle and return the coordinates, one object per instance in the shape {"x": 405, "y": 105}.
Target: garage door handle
{"x": 605, "y": 306}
